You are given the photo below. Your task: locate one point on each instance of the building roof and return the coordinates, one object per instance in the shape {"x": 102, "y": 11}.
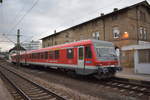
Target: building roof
{"x": 136, "y": 47}
{"x": 15, "y": 48}
{"x": 141, "y": 45}
{"x": 143, "y": 3}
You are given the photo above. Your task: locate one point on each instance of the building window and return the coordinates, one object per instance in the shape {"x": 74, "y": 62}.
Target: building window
{"x": 144, "y": 56}
{"x": 67, "y": 35}
{"x": 116, "y": 32}
{"x": 143, "y": 33}
{"x": 55, "y": 42}
{"x": 70, "y": 53}
{"x": 96, "y": 35}
{"x": 142, "y": 16}
{"x": 114, "y": 17}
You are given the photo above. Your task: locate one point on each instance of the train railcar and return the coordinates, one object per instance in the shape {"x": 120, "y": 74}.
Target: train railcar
{"x": 86, "y": 57}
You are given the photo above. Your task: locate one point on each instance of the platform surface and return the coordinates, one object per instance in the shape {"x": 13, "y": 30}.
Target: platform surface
{"x": 129, "y": 73}
{"x": 4, "y": 94}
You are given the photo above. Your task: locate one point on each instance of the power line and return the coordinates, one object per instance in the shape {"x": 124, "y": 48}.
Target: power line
{"x": 8, "y": 39}
{"x": 35, "y": 3}
{"x": 18, "y": 14}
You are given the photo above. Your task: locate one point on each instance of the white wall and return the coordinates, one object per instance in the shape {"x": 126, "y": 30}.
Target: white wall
{"x": 141, "y": 68}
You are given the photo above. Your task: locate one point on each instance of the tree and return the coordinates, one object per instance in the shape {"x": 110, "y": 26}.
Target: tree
{"x": 1, "y": 1}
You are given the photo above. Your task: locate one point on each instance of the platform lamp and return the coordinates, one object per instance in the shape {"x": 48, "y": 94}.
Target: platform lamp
{"x": 125, "y": 35}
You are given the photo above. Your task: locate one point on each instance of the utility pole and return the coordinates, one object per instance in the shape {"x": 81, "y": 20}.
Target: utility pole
{"x": 1, "y": 1}
{"x": 18, "y": 48}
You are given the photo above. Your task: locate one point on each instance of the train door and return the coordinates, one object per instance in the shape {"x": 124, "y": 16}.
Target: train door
{"x": 81, "y": 57}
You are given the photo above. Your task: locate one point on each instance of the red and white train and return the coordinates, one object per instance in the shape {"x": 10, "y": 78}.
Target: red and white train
{"x": 86, "y": 57}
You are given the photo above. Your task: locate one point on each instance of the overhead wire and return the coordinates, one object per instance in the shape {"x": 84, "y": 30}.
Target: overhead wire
{"x": 29, "y": 10}
{"x": 18, "y": 13}
{"x": 8, "y": 39}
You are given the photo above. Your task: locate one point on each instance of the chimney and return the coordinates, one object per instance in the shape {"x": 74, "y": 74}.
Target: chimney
{"x": 115, "y": 9}
{"x": 102, "y": 14}
{"x": 54, "y": 31}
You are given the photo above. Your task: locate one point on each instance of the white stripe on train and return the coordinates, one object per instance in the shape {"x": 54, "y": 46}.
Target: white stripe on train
{"x": 61, "y": 65}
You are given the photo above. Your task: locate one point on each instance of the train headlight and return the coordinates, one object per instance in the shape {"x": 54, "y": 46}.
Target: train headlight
{"x": 112, "y": 65}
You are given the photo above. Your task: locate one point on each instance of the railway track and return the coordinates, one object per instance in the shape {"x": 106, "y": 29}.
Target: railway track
{"x": 26, "y": 89}
{"x": 137, "y": 89}
{"x": 125, "y": 86}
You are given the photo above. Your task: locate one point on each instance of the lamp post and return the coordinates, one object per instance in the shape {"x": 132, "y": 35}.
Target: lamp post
{"x": 18, "y": 48}
{"x": 1, "y": 1}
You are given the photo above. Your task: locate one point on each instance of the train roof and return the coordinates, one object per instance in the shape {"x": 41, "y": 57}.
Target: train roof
{"x": 76, "y": 43}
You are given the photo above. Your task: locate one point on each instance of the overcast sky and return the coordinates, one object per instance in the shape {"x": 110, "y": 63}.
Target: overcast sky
{"x": 48, "y": 15}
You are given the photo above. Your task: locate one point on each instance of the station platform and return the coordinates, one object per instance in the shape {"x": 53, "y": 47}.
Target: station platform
{"x": 4, "y": 94}
{"x": 129, "y": 74}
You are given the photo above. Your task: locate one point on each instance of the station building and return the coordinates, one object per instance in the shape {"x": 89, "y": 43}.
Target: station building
{"x": 32, "y": 45}
{"x": 123, "y": 27}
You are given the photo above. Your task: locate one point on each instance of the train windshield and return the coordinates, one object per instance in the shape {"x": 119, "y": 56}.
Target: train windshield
{"x": 106, "y": 53}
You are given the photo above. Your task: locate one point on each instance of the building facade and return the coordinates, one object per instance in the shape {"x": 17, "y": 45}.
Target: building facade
{"x": 123, "y": 27}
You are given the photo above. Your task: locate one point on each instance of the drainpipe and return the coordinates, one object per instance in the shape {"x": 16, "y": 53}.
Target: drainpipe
{"x": 137, "y": 23}
{"x": 104, "y": 28}
{"x": 102, "y": 14}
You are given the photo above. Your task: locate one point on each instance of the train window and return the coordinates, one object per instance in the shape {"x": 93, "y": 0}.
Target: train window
{"x": 46, "y": 55}
{"x": 51, "y": 55}
{"x": 39, "y": 55}
{"x": 70, "y": 53}
{"x": 57, "y": 54}
{"x": 42, "y": 55}
{"x": 33, "y": 56}
{"x": 36, "y": 55}
{"x": 88, "y": 52}
{"x": 30, "y": 56}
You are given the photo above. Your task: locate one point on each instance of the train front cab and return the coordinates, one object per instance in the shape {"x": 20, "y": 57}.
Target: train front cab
{"x": 106, "y": 59}
{"x": 99, "y": 59}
